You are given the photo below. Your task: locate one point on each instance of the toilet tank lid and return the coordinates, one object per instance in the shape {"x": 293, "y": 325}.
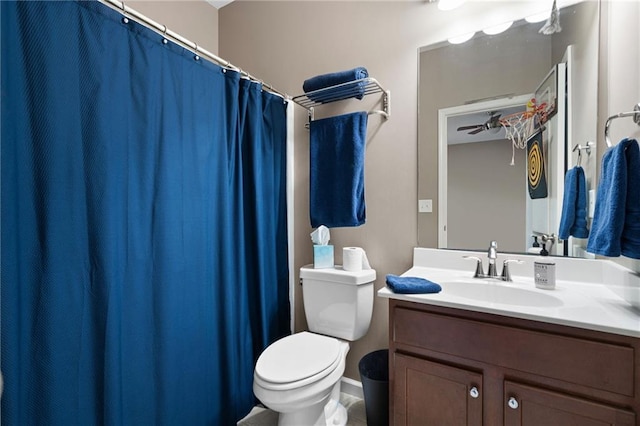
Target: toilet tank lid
{"x": 338, "y": 275}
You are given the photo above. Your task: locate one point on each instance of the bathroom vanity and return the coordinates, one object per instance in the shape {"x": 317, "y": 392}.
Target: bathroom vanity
{"x": 565, "y": 357}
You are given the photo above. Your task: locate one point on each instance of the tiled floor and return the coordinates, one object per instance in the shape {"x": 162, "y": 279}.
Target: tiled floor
{"x": 263, "y": 417}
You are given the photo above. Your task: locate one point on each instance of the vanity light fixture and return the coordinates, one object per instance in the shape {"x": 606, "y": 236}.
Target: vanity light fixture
{"x": 497, "y": 29}
{"x": 538, "y": 17}
{"x": 449, "y": 4}
{"x": 461, "y": 39}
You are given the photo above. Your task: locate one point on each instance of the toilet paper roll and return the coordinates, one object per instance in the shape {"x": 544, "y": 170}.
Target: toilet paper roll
{"x": 354, "y": 259}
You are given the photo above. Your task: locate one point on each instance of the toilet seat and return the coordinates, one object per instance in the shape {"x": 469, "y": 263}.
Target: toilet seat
{"x": 298, "y": 360}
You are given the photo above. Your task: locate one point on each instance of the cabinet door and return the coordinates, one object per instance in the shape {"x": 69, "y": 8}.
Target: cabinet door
{"x": 428, "y": 393}
{"x": 529, "y": 406}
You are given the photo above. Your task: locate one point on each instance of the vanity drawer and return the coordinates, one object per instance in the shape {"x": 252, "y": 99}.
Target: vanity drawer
{"x": 594, "y": 364}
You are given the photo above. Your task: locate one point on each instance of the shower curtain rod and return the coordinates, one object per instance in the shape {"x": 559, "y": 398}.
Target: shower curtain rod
{"x": 126, "y": 11}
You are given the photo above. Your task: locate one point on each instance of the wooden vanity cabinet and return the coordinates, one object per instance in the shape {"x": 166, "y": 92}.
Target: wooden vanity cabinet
{"x": 457, "y": 367}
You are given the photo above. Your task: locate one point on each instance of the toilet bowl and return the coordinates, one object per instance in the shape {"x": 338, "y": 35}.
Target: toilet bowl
{"x": 299, "y": 375}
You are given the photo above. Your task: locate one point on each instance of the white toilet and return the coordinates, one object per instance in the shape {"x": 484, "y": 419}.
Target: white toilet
{"x": 299, "y": 375}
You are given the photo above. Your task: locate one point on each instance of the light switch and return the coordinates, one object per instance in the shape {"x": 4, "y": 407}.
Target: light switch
{"x": 592, "y": 203}
{"x": 425, "y": 206}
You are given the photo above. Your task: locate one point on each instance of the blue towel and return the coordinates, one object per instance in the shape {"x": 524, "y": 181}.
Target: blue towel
{"x": 411, "y": 285}
{"x": 337, "y": 170}
{"x": 630, "y": 244}
{"x": 574, "y": 205}
{"x": 616, "y": 222}
{"x": 355, "y": 90}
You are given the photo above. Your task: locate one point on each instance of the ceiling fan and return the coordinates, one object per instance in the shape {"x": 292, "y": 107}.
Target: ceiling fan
{"x": 492, "y": 123}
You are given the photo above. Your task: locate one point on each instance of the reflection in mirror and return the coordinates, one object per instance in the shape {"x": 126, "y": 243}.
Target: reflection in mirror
{"x": 471, "y": 86}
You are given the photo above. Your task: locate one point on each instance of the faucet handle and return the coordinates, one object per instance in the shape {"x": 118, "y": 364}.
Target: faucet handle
{"x": 479, "y": 272}
{"x": 506, "y": 274}
{"x": 492, "y": 252}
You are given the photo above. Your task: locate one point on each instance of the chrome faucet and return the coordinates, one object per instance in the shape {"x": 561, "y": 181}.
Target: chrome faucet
{"x": 492, "y": 254}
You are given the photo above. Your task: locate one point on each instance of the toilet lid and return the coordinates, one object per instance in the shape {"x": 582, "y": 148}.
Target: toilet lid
{"x": 297, "y": 357}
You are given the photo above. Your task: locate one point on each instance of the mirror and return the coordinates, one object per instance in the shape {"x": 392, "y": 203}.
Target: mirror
{"x": 466, "y": 86}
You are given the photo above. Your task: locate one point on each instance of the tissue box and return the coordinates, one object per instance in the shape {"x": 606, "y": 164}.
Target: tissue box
{"x": 322, "y": 256}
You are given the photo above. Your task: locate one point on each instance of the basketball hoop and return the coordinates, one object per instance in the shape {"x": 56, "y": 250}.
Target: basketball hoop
{"x": 520, "y": 126}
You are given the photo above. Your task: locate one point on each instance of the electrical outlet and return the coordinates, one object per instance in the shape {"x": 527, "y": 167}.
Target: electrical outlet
{"x": 425, "y": 206}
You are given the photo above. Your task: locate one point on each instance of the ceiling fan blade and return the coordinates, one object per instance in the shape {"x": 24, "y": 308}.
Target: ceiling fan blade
{"x": 477, "y": 126}
{"x": 478, "y": 130}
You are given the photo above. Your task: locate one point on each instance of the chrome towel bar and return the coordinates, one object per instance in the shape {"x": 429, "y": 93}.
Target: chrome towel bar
{"x": 636, "y": 119}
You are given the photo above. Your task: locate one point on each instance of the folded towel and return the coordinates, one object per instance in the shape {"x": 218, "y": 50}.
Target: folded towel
{"x": 337, "y": 170}
{"x": 616, "y": 222}
{"x": 355, "y": 90}
{"x": 411, "y": 285}
{"x": 574, "y": 205}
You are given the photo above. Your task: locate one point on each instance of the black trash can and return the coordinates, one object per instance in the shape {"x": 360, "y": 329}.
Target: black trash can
{"x": 374, "y": 374}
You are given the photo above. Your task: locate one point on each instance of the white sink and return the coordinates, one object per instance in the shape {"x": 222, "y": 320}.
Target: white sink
{"x": 499, "y": 292}
{"x": 593, "y": 294}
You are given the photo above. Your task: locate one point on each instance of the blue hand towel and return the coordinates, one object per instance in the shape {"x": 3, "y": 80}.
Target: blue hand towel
{"x": 574, "y": 205}
{"x": 616, "y": 222}
{"x": 411, "y": 285}
{"x": 355, "y": 90}
{"x": 337, "y": 170}
{"x": 630, "y": 243}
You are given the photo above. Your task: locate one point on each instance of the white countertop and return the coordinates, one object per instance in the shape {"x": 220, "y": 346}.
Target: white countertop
{"x": 589, "y": 305}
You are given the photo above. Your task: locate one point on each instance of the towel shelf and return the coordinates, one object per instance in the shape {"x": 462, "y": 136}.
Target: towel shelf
{"x": 636, "y": 119}
{"x": 339, "y": 92}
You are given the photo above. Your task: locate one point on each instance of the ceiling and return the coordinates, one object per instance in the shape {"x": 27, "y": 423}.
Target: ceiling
{"x": 218, "y": 4}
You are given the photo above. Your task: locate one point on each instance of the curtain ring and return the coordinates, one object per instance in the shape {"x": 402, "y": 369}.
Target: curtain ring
{"x": 196, "y": 57}
{"x": 164, "y": 35}
{"x": 125, "y": 20}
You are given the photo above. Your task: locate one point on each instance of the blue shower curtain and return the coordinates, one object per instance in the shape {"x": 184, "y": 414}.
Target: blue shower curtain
{"x": 144, "y": 244}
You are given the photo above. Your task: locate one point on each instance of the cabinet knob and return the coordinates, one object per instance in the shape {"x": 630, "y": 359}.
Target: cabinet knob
{"x": 473, "y": 392}
{"x": 513, "y": 403}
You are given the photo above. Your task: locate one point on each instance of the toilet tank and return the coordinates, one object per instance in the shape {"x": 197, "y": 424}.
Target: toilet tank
{"x": 338, "y": 303}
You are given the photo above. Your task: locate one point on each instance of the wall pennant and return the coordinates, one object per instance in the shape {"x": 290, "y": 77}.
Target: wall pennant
{"x": 536, "y": 173}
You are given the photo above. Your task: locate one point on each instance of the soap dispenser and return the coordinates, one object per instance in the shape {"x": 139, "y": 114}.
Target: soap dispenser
{"x": 535, "y": 244}
{"x": 544, "y": 270}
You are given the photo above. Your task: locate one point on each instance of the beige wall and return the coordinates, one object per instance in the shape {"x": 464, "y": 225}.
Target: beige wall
{"x": 619, "y": 85}
{"x": 195, "y": 20}
{"x": 287, "y": 42}
{"x": 482, "y": 186}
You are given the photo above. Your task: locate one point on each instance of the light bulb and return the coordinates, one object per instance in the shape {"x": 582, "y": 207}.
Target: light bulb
{"x": 461, "y": 38}
{"x": 449, "y": 4}
{"x": 497, "y": 29}
{"x": 538, "y": 17}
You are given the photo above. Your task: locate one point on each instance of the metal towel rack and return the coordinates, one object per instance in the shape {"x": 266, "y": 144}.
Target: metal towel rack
{"x": 339, "y": 92}
{"x": 636, "y": 119}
